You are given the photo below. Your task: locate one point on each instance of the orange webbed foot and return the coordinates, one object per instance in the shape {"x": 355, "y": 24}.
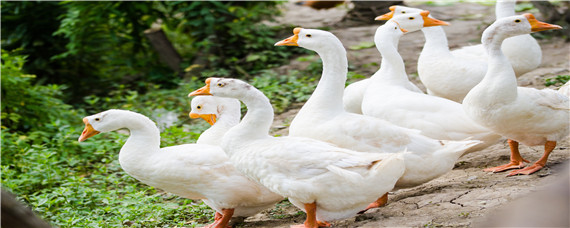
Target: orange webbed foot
{"x": 382, "y": 201}
{"x": 527, "y": 171}
{"x": 319, "y": 224}
{"x": 323, "y": 224}
{"x": 511, "y": 165}
{"x": 303, "y": 226}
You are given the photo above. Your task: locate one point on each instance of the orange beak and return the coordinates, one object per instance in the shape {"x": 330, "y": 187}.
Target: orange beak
{"x": 386, "y": 16}
{"x": 291, "y": 41}
{"x": 537, "y": 26}
{"x": 88, "y": 131}
{"x": 428, "y": 21}
{"x": 202, "y": 91}
{"x": 210, "y": 118}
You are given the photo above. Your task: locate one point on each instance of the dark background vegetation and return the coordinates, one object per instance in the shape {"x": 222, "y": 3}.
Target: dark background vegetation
{"x": 62, "y": 61}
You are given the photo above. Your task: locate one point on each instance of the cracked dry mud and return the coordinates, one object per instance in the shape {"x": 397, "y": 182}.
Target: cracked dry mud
{"x": 466, "y": 196}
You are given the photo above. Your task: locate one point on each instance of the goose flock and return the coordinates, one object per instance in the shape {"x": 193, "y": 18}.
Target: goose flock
{"x": 348, "y": 147}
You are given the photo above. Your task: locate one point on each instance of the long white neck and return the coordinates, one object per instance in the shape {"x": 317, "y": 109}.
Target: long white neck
{"x": 499, "y": 84}
{"x": 505, "y": 8}
{"x": 436, "y": 40}
{"x": 225, "y": 120}
{"x": 144, "y": 140}
{"x": 256, "y": 122}
{"x": 329, "y": 92}
{"x": 392, "y": 69}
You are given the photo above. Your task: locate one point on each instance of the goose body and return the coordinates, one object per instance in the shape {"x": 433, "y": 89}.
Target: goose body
{"x": 451, "y": 74}
{"x": 193, "y": 171}
{"x": 389, "y": 97}
{"x": 525, "y": 115}
{"x": 326, "y": 181}
{"x": 565, "y": 89}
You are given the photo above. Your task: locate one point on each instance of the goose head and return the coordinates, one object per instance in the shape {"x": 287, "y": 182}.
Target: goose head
{"x": 513, "y": 26}
{"x": 312, "y": 39}
{"x": 416, "y": 20}
{"x": 209, "y": 108}
{"x": 389, "y": 29}
{"x": 224, "y": 87}
{"x": 102, "y": 122}
{"x": 397, "y": 11}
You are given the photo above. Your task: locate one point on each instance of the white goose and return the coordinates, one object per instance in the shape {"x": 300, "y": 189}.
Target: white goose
{"x": 451, "y": 74}
{"x": 524, "y": 59}
{"x": 327, "y": 182}
{"x": 390, "y": 97}
{"x": 222, "y": 113}
{"x": 192, "y": 171}
{"x": 323, "y": 118}
{"x": 526, "y": 115}
{"x": 353, "y": 93}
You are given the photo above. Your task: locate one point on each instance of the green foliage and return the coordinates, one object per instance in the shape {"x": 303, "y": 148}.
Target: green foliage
{"x": 105, "y": 43}
{"x": 229, "y": 34}
{"x": 91, "y": 45}
{"x": 96, "y": 55}
{"x": 362, "y": 45}
{"x": 353, "y": 77}
{"x": 27, "y": 106}
{"x": 558, "y": 80}
{"x": 28, "y": 26}
{"x": 524, "y": 6}
{"x": 284, "y": 90}
{"x": 101, "y": 45}
{"x": 72, "y": 184}
{"x": 75, "y": 184}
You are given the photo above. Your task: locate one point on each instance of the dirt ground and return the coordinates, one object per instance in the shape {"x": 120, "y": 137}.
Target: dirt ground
{"x": 466, "y": 196}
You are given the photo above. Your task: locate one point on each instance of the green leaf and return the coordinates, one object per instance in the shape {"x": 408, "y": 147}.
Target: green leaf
{"x": 362, "y": 45}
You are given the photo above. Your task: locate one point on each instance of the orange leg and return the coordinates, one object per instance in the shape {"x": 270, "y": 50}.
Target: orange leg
{"x": 217, "y": 216}
{"x": 221, "y": 221}
{"x": 311, "y": 221}
{"x": 226, "y": 216}
{"x": 548, "y": 147}
{"x": 517, "y": 161}
{"x": 378, "y": 203}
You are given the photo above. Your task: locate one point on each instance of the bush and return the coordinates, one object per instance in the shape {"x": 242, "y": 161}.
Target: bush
{"x": 26, "y": 106}
{"x": 101, "y": 45}
{"x": 74, "y": 184}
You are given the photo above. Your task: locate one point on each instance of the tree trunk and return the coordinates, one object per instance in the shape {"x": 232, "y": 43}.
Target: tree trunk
{"x": 162, "y": 45}
{"x": 16, "y": 215}
{"x": 364, "y": 12}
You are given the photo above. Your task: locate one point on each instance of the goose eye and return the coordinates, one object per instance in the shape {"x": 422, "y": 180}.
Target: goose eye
{"x": 199, "y": 107}
{"x": 403, "y": 11}
{"x": 411, "y": 18}
{"x": 308, "y": 35}
{"x": 396, "y": 28}
{"x": 97, "y": 119}
{"x": 517, "y": 20}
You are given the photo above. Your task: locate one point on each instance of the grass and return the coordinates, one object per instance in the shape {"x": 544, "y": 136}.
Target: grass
{"x": 559, "y": 80}
{"x": 72, "y": 184}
